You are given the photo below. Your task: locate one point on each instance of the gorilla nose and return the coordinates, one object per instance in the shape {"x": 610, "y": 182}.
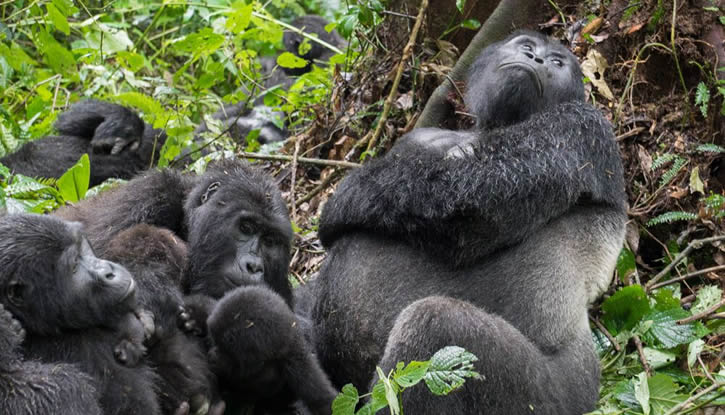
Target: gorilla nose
{"x": 536, "y": 59}
{"x": 253, "y": 267}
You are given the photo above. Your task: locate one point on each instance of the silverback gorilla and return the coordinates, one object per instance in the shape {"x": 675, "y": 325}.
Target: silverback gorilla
{"x": 496, "y": 240}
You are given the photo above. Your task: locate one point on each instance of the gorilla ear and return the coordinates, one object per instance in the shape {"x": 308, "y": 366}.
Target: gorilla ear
{"x": 209, "y": 191}
{"x": 15, "y": 293}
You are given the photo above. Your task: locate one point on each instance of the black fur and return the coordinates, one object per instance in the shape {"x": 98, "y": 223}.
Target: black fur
{"x": 72, "y": 305}
{"x": 495, "y": 239}
{"x": 118, "y": 143}
{"x": 260, "y": 353}
{"x": 29, "y": 388}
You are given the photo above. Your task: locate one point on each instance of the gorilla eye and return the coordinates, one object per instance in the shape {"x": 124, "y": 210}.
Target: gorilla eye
{"x": 527, "y": 47}
{"x": 246, "y": 228}
{"x": 558, "y": 62}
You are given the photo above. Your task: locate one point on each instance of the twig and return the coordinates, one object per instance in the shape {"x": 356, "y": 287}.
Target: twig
{"x": 293, "y": 207}
{"x": 630, "y": 133}
{"x": 642, "y": 358}
{"x": 702, "y": 314}
{"x": 696, "y": 244}
{"x": 319, "y": 187}
{"x": 606, "y": 333}
{"x": 693, "y": 398}
{"x": 407, "y": 51}
{"x": 686, "y": 276}
{"x": 306, "y": 160}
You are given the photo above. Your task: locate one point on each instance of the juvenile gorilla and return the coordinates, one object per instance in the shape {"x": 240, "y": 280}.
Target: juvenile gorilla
{"x": 72, "y": 305}
{"x": 30, "y": 387}
{"x": 496, "y": 240}
{"x": 118, "y": 142}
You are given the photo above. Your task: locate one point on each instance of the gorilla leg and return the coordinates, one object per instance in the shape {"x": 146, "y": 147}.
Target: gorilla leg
{"x": 517, "y": 377}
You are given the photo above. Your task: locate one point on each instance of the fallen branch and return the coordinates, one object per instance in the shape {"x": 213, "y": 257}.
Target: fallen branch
{"x": 642, "y": 357}
{"x": 702, "y": 314}
{"x": 688, "y": 275}
{"x": 305, "y": 160}
{"x": 606, "y": 333}
{"x": 675, "y": 409}
{"x": 696, "y": 244}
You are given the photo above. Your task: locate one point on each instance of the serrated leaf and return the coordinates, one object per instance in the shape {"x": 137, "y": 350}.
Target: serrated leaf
{"x": 73, "y": 184}
{"x": 663, "y": 394}
{"x": 702, "y": 98}
{"x": 666, "y": 330}
{"x": 449, "y": 367}
{"x": 710, "y": 148}
{"x": 413, "y": 373}
{"x": 239, "y": 17}
{"x": 289, "y": 60}
{"x": 707, "y": 296}
{"x": 346, "y": 401}
{"x": 670, "y": 217}
{"x": 107, "y": 39}
{"x": 56, "y": 17}
{"x": 665, "y": 299}
{"x": 205, "y": 42}
{"x": 624, "y": 393}
{"x": 57, "y": 57}
{"x": 377, "y": 399}
{"x": 658, "y": 358}
{"x": 662, "y": 160}
{"x": 624, "y": 309}
{"x": 65, "y": 6}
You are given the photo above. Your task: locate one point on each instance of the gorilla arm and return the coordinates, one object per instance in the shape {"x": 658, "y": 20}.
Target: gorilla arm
{"x": 462, "y": 209}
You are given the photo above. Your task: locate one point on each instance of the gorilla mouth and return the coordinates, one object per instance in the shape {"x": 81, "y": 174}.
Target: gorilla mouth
{"x": 529, "y": 70}
{"x": 130, "y": 290}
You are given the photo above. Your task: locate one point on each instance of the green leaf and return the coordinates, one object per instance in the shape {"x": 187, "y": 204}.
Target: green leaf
{"x": 665, "y": 329}
{"x": 670, "y": 217}
{"x": 57, "y": 57}
{"x": 411, "y": 374}
{"x": 448, "y": 369}
{"x": 239, "y": 17}
{"x": 66, "y": 7}
{"x": 641, "y": 392}
{"x": 624, "y": 309}
{"x": 56, "y": 17}
{"x": 663, "y": 394}
{"x": 702, "y": 98}
{"x": 378, "y": 400}
{"x": 665, "y": 299}
{"x": 626, "y": 264}
{"x": 471, "y": 24}
{"x": 205, "y": 42}
{"x": 710, "y": 148}
{"x": 131, "y": 60}
{"x": 346, "y": 401}
{"x": 694, "y": 349}
{"x": 391, "y": 393}
{"x": 460, "y": 5}
{"x": 107, "y": 39}
{"x": 707, "y": 296}
{"x": 73, "y": 184}
{"x": 289, "y": 60}
{"x": 658, "y": 358}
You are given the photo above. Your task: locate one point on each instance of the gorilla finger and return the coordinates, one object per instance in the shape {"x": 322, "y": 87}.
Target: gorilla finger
{"x": 218, "y": 408}
{"x": 199, "y": 405}
{"x": 183, "y": 409}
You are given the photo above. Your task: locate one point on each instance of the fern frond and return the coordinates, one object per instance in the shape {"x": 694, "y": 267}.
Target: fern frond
{"x": 672, "y": 172}
{"x": 702, "y": 98}
{"x": 662, "y": 160}
{"x": 670, "y": 217}
{"x": 710, "y": 148}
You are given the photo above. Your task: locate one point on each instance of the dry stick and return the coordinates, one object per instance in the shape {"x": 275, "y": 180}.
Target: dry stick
{"x": 293, "y": 207}
{"x": 700, "y": 315}
{"x": 696, "y": 244}
{"x": 642, "y": 358}
{"x": 693, "y": 398}
{"x": 606, "y": 333}
{"x": 280, "y": 157}
{"x": 319, "y": 187}
{"x": 407, "y": 51}
{"x": 686, "y": 276}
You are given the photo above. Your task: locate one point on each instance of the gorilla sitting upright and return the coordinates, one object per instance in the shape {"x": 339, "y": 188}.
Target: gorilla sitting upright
{"x": 116, "y": 139}
{"x": 495, "y": 239}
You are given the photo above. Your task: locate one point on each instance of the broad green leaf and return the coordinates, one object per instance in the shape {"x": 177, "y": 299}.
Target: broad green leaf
{"x": 448, "y": 369}
{"x": 707, "y": 296}
{"x": 665, "y": 329}
{"x": 107, "y": 39}
{"x": 66, "y": 7}
{"x": 460, "y": 5}
{"x": 73, "y": 184}
{"x": 663, "y": 394}
{"x": 205, "y": 42}
{"x": 658, "y": 358}
{"x": 239, "y": 17}
{"x": 626, "y": 263}
{"x": 131, "y": 60}
{"x": 289, "y": 60}
{"x": 56, "y": 17}
{"x": 411, "y": 374}
{"x": 665, "y": 299}
{"x": 378, "y": 400}
{"x": 57, "y": 57}
{"x": 641, "y": 392}
{"x": 624, "y": 393}
{"x": 346, "y": 401}
{"x": 624, "y": 309}
{"x": 471, "y": 24}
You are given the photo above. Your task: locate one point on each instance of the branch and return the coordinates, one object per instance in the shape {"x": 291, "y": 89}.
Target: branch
{"x": 676, "y": 409}
{"x": 696, "y": 244}
{"x": 280, "y": 157}
{"x": 508, "y": 14}
{"x": 688, "y": 275}
{"x": 700, "y": 315}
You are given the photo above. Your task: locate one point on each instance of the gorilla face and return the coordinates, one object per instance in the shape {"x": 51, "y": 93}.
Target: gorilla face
{"x": 51, "y": 280}
{"x": 239, "y": 233}
{"x": 520, "y": 76}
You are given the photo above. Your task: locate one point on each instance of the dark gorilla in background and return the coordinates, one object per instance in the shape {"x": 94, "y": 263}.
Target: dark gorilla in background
{"x": 238, "y": 233}
{"x": 495, "y": 239}
{"x": 72, "y": 306}
{"x": 118, "y": 142}
{"x": 29, "y": 388}
{"x": 241, "y": 120}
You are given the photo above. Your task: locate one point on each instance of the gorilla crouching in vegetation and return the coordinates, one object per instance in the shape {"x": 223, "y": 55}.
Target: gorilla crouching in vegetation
{"x": 495, "y": 239}
{"x": 31, "y": 388}
{"x": 117, "y": 141}
{"x": 72, "y": 306}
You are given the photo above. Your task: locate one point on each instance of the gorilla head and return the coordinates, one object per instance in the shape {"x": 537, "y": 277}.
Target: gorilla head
{"x": 51, "y": 280}
{"x": 239, "y": 232}
{"x": 520, "y": 76}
